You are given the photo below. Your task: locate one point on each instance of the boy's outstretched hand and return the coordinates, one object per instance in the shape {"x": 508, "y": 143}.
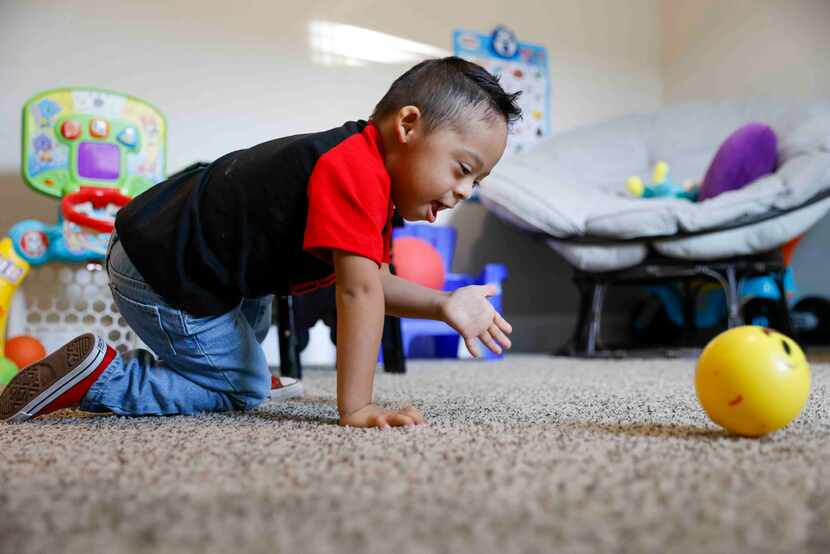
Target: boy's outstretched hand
{"x": 468, "y": 311}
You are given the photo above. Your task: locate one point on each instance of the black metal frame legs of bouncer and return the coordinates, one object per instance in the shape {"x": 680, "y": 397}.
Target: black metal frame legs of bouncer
{"x": 593, "y": 288}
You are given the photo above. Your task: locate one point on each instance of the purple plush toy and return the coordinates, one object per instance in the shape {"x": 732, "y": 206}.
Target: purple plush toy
{"x": 749, "y": 153}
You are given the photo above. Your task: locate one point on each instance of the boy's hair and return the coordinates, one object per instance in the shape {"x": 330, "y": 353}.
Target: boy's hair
{"x": 445, "y": 90}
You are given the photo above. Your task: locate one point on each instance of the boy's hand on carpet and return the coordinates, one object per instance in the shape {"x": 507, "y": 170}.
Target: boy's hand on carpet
{"x": 372, "y": 415}
{"x": 468, "y": 311}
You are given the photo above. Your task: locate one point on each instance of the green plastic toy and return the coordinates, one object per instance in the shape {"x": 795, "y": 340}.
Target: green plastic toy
{"x": 8, "y": 369}
{"x": 88, "y": 137}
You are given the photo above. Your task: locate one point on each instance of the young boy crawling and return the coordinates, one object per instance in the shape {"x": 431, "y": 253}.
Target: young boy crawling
{"x": 194, "y": 262}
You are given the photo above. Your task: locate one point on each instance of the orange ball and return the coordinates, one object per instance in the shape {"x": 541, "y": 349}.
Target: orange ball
{"x": 24, "y": 350}
{"x": 417, "y": 260}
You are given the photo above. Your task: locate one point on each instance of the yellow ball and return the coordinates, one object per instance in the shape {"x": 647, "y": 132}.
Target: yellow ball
{"x": 752, "y": 380}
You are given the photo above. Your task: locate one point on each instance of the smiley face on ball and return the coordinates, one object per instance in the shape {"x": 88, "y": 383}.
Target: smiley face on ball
{"x": 790, "y": 356}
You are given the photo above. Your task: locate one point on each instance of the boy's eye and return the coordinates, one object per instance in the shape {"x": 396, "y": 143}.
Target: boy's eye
{"x": 464, "y": 169}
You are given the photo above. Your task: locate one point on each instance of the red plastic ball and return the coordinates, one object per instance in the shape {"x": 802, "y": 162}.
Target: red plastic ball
{"x": 24, "y": 350}
{"x": 417, "y": 260}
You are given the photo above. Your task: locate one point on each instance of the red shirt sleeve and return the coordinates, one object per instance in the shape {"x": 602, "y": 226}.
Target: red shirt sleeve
{"x": 349, "y": 203}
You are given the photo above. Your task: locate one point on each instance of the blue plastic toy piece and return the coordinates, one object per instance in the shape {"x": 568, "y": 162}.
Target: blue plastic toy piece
{"x": 711, "y": 307}
{"x": 39, "y": 243}
{"x": 423, "y": 338}
{"x": 441, "y": 237}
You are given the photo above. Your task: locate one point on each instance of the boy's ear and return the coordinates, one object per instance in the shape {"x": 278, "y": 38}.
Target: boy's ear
{"x": 408, "y": 123}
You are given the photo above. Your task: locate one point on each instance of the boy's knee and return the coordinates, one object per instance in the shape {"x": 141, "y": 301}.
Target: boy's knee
{"x": 256, "y": 390}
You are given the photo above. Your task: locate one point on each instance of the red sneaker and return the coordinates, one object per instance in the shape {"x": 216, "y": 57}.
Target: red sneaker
{"x": 283, "y": 388}
{"x": 60, "y": 380}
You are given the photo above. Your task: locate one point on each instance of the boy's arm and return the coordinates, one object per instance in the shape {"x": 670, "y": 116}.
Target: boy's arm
{"x": 407, "y": 299}
{"x": 360, "y": 310}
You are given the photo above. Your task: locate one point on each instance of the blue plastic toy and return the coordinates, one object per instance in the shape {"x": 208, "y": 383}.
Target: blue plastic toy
{"x": 711, "y": 307}
{"x": 423, "y": 338}
{"x": 39, "y": 243}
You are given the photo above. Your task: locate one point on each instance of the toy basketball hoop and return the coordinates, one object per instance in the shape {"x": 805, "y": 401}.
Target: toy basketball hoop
{"x": 89, "y": 217}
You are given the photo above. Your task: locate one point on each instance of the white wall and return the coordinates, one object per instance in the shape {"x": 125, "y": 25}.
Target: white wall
{"x": 740, "y": 48}
{"x": 231, "y": 74}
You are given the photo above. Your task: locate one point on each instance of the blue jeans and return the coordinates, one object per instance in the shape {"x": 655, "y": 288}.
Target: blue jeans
{"x": 201, "y": 364}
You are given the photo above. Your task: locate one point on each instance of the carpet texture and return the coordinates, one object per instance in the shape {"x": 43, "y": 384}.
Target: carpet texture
{"x": 533, "y": 454}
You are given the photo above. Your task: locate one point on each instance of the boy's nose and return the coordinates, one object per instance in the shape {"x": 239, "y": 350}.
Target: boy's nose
{"x": 463, "y": 192}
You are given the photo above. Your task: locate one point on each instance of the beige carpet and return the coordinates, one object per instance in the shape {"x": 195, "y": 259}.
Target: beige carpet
{"x": 533, "y": 454}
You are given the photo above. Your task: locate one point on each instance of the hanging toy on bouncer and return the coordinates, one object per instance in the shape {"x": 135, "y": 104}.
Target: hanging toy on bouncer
{"x": 662, "y": 186}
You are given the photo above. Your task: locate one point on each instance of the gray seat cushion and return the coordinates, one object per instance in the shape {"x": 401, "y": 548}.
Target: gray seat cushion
{"x": 572, "y": 185}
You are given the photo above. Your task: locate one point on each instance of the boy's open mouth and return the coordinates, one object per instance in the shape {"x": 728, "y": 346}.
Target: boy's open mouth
{"x": 432, "y": 211}
{"x": 434, "y": 208}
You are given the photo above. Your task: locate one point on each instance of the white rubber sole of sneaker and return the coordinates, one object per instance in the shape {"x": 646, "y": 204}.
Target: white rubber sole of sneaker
{"x": 285, "y": 392}
{"x": 79, "y": 373}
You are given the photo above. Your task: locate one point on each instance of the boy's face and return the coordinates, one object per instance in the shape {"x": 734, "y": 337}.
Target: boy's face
{"x": 435, "y": 171}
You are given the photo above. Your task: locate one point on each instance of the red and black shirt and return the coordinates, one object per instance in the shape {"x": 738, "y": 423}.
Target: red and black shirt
{"x": 262, "y": 220}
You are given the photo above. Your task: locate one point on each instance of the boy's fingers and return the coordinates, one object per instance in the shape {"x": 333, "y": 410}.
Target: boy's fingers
{"x": 497, "y": 334}
{"x": 488, "y": 341}
{"x": 400, "y": 420}
{"x": 502, "y": 323}
{"x": 413, "y": 412}
{"x": 472, "y": 346}
{"x": 489, "y": 290}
